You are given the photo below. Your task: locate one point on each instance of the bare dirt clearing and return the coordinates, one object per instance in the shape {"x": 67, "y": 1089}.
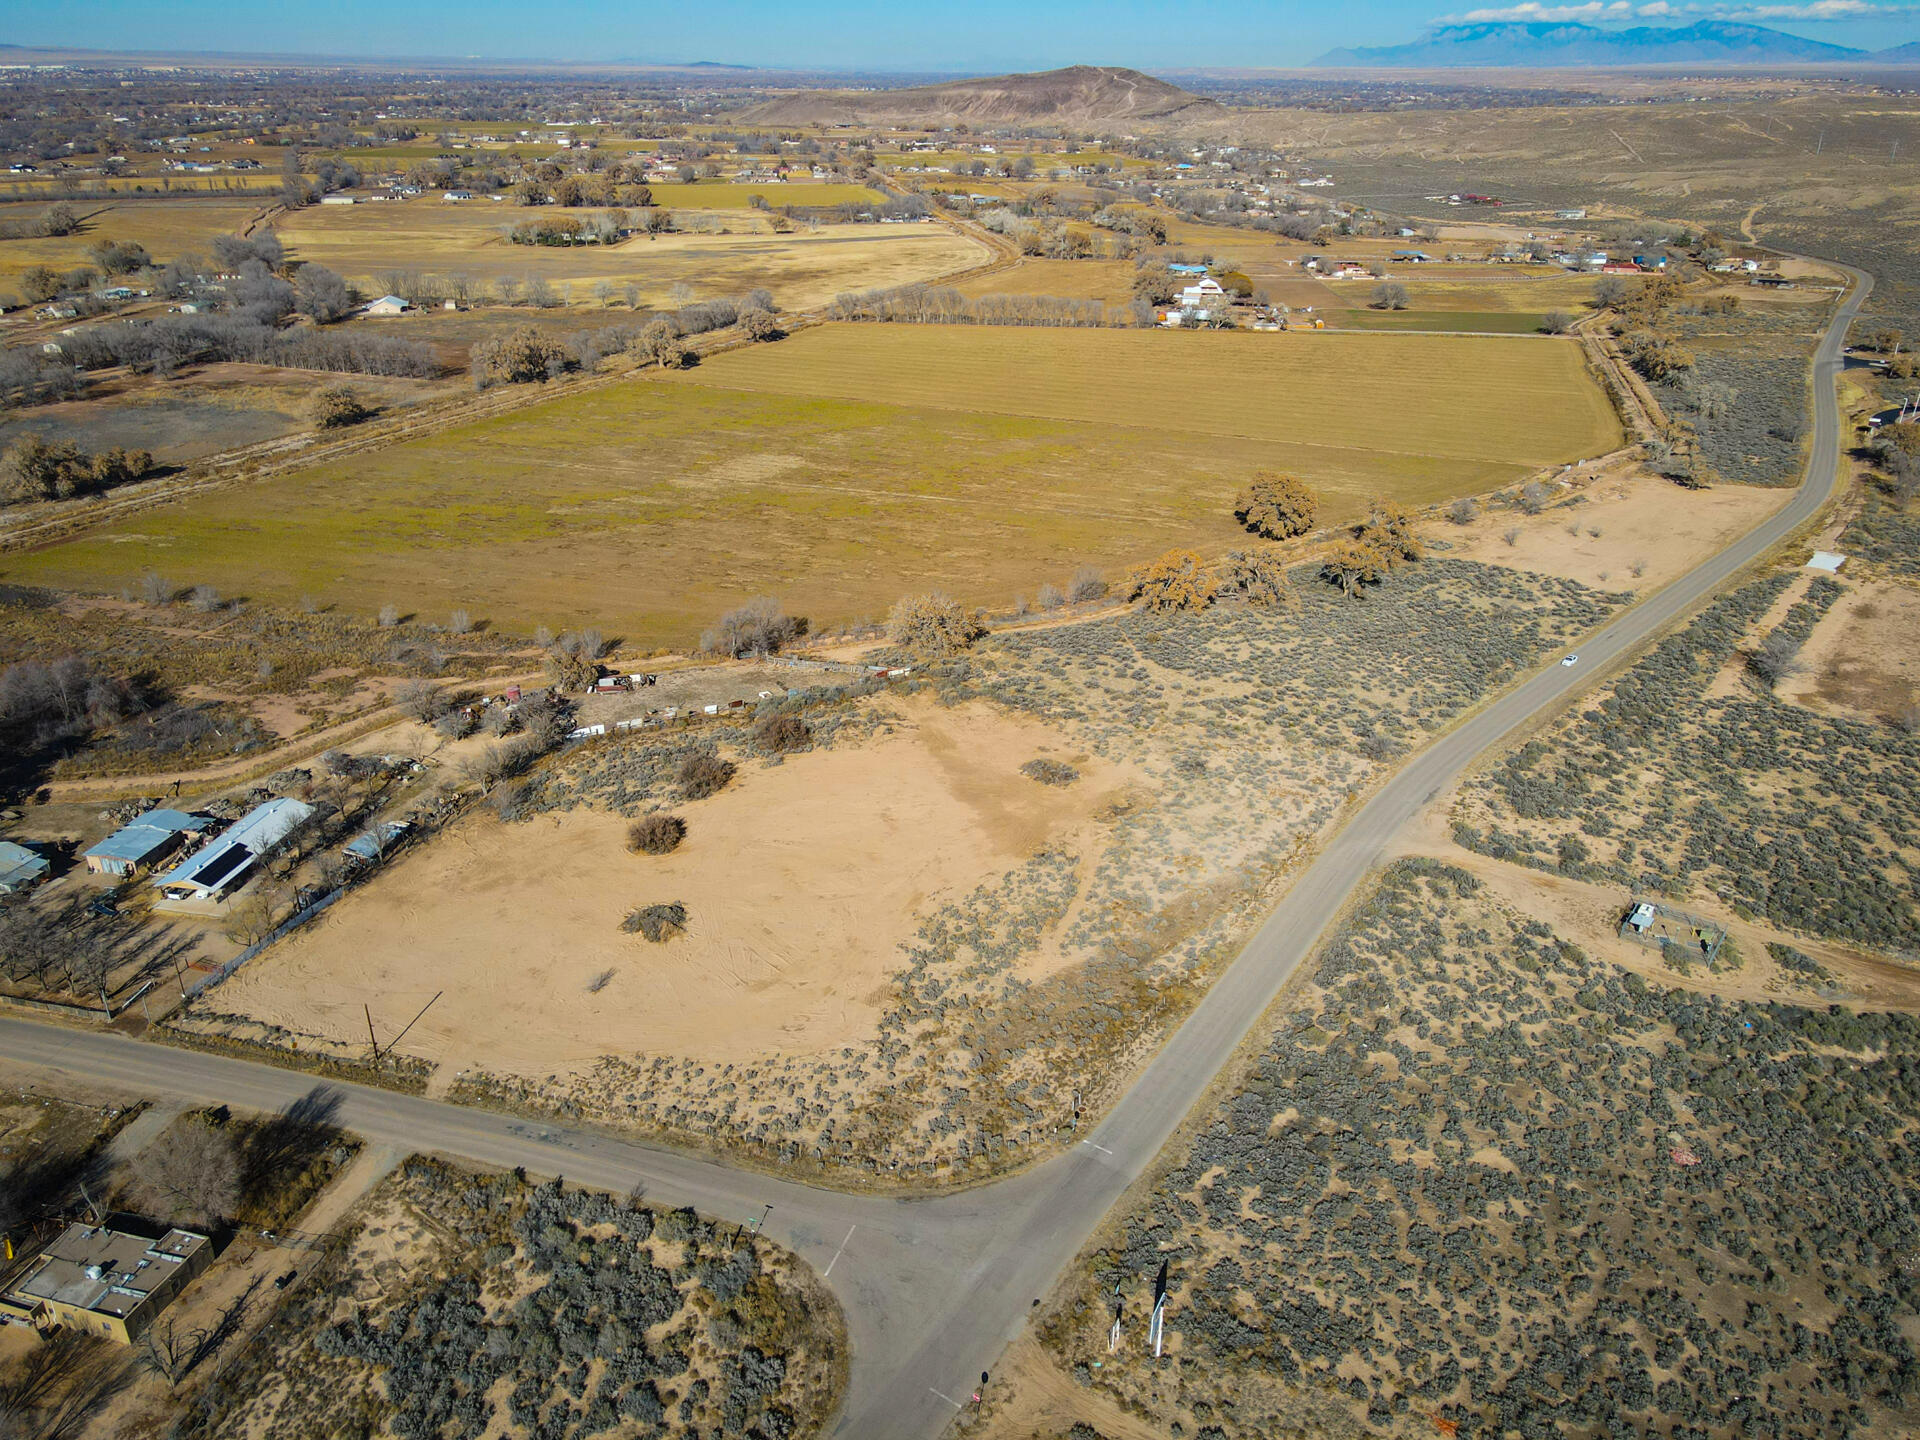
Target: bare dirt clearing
{"x": 1860, "y": 660}
{"x": 801, "y": 880}
{"x": 1649, "y": 530}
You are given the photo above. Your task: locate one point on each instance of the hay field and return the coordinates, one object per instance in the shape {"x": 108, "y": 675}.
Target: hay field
{"x": 805, "y": 268}
{"x": 1458, "y": 322}
{"x": 168, "y": 228}
{"x": 851, "y": 464}
{"x": 1108, "y": 280}
{"x": 727, "y": 195}
{"x": 1404, "y": 398}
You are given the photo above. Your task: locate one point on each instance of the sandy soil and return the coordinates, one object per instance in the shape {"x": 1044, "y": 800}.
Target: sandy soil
{"x": 1860, "y": 660}
{"x": 801, "y": 880}
{"x": 1590, "y": 915}
{"x": 1644, "y": 522}
{"x": 1031, "y": 1398}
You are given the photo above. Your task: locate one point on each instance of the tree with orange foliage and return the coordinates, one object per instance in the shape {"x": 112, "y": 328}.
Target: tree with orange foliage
{"x": 1178, "y": 580}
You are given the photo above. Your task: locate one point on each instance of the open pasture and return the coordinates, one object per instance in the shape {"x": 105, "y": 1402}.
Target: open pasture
{"x": 201, "y": 411}
{"x": 168, "y": 228}
{"x": 1458, "y": 322}
{"x": 849, "y": 465}
{"x": 1108, "y": 280}
{"x": 367, "y": 243}
{"x": 729, "y": 195}
{"x": 1484, "y": 401}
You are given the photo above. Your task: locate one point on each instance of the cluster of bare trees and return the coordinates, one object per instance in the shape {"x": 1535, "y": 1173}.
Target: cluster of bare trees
{"x": 68, "y": 948}
{"x": 164, "y": 344}
{"x": 598, "y": 229}
{"x": 759, "y": 627}
{"x": 51, "y": 702}
{"x": 28, "y": 377}
{"x": 942, "y": 305}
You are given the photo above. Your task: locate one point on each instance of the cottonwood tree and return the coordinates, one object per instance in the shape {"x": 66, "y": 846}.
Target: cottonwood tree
{"x": 321, "y": 294}
{"x": 1776, "y": 658}
{"x": 1257, "y": 576}
{"x": 1389, "y": 295}
{"x": 192, "y": 1173}
{"x": 932, "y": 625}
{"x": 420, "y": 700}
{"x": 1351, "y": 564}
{"x": 1388, "y": 529}
{"x": 1276, "y": 505}
{"x": 520, "y": 357}
{"x": 336, "y": 406}
{"x": 1178, "y": 580}
{"x": 759, "y": 627}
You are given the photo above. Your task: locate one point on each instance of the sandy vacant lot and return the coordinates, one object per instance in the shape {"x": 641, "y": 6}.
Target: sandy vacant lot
{"x": 1860, "y": 660}
{"x": 1642, "y": 522}
{"x": 801, "y": 881}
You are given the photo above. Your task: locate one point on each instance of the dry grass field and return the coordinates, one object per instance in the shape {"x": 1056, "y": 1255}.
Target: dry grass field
{"x": 367, "y": 243}
{"x": 1488, "y": 402}
{"x": 1108, "y": 280}
{"x": 168, "y": 228}
{"x": 850, "y": 464}
{"x": 203, "y": 410}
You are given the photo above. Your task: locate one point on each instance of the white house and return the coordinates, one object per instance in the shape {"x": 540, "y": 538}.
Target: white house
{"x": 221, "y": 867}
{"x": 1197, "y": 301}
{"x": 388, "y": 305}
{"x": 339, "y": 199}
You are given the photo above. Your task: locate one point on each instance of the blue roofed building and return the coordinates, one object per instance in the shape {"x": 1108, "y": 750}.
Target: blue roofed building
{"x": 20, "y": 868}
{"x": 144, "y": 841}
{"x": 367, "y": 847}
{"x": 225, "y": 864}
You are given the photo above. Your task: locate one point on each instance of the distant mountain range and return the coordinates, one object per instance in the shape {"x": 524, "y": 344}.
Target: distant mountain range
{"x": 1545, "y": 44}
{"x": 1077, "y": 95}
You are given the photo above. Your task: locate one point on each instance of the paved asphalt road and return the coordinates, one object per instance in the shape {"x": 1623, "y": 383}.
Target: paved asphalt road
{"x": 934, "y": 1289}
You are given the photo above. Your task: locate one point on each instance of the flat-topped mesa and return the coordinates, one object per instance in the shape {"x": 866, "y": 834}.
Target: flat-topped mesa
{"x": 1077, "y": 95}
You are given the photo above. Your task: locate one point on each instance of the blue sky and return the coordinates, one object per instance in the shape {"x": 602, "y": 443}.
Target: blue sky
{"x": 976, "y": 36}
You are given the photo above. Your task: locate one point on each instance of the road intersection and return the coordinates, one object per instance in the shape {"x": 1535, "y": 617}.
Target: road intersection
{"x": 935, "y": 1288}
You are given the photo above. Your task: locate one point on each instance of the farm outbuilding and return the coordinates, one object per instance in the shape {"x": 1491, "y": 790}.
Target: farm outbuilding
{"x": 223, "y": 866}
{"x": 388, "y": 305}
{"x": 20, "y": 868}
{"x": 144, "y": 841}
{"x": 368, "y": 846}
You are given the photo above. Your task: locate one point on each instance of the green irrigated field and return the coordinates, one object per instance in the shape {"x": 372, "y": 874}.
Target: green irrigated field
{"x": 851, "y": 464}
